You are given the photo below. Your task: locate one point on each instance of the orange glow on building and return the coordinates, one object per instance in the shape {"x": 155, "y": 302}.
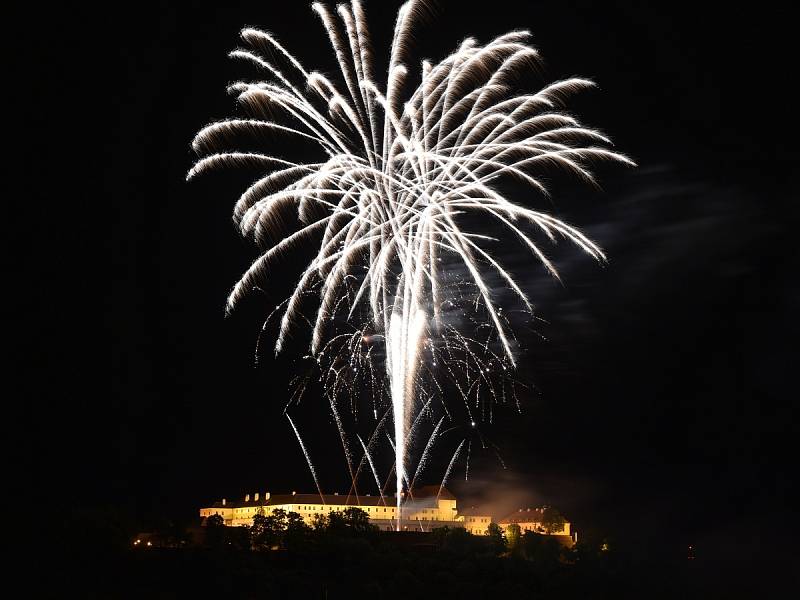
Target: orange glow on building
{"x": 424, "y": 509}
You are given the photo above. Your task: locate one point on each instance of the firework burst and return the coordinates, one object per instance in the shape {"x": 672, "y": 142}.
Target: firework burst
{"x": 400, "y": 172}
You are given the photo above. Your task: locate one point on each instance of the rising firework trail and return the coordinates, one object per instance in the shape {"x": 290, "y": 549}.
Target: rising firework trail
{"x": 402, "y": 166}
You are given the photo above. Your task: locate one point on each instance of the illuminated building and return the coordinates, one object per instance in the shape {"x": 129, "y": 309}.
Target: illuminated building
{"x": 422, "y": 510}
{"x": 530, "y": 519}
{"x": 475, "y": 520}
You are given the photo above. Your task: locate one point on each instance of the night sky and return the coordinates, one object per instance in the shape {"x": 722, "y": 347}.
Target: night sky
{"x": 664, "y": 384}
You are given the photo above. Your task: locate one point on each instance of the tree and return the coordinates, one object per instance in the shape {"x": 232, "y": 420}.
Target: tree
{"x": 358, "y": 521}
{"x": 543, "y": 550}
{"x": 258, "y": 537}
{"x": 513, "y": 538}
{"x": 277, "y": 520}
{"x": 238, "y": 538}
{"x": 319, "y": 522}
{"x": 267, "y": 530}
{"x": 350, "y": 522}
{"x": 553, "y": 521}
{"x": 439, "y": 534}
{"x": 215, "y": 531}
{"x": 497, "y": 537}
{"x": 294, "y": 520}
{"x": 297, "y": 532}
{"x": 335, "y": 524}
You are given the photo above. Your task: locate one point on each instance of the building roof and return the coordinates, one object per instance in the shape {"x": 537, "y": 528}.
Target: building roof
{"x": 473, "y": 511}
{"x": 327, "y": 499}
{"x": 527, "y": 515}
{"x": 427, "y": 491}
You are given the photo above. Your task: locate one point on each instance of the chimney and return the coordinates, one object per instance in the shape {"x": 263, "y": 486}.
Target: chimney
{"x": 247, "y": 497}
{"x": 223, "y": 502}
{"x": 256, "y": 497}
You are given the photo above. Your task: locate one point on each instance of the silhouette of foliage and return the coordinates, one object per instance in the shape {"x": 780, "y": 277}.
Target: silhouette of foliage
{"x": 215, "y": 531}
{"x": 514, "y": 538}
{"x": 342, "y": 556}
{"x": 552, "y": 520}
{"x": 497, "y": 538}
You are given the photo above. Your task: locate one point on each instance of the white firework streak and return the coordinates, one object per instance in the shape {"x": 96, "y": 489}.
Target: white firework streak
{"x": 400, "y": 168}
{"x": 308, "y": 459}
{"x": 450, "y": 467}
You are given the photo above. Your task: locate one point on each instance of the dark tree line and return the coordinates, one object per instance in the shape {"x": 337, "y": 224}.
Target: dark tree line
{"x": 282, "y": 530}
{"x": 342, "y": 555}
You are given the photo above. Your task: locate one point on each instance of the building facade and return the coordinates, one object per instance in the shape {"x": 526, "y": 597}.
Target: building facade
{"x": 423, "y": 509}
{"x": 530, "y": 519}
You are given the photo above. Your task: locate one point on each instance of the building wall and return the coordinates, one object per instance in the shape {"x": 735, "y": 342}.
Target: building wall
{"x": 419, "y": 516}
{"x": 477, "y": 525}
{"x": 416, "y": 516}
{"x": 445, "y": 510}
{"x": 537, "y": 528}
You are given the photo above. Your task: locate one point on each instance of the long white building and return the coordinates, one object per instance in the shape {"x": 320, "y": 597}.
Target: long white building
{"x": 422, "y": 510}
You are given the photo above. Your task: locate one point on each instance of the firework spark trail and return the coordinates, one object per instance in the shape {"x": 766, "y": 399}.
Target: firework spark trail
{"x": 404, "y": 168}
{"x": 469, "y": 452}
{"x": 364, "y": 457}
{"x": 450, "y": 467}
{"x": 423, "y": 458}
{"x": 372, "y": 467}
{"x": 345, "y": 447}
{"x": 308, "y": 459}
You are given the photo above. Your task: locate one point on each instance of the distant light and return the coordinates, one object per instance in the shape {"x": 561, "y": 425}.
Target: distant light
{"x": 473, "y": 423}
{"x": 149, "y": 543}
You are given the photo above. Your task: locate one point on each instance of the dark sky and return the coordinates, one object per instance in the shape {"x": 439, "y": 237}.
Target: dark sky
{"x": 664, "y": 399}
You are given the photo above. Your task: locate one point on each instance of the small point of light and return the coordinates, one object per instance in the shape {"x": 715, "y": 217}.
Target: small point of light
{"x": 473, "y": 423}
